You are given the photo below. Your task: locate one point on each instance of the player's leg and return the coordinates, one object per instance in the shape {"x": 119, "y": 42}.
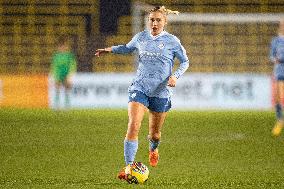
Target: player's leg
{"x": 57, "y": 94}
{"x": 135, "y": 116}
{"x": 136, "y": 108}
{"x": 156, "y": 121}
{"x": 138, "y": 102}
{"x": 279, "y": 97}
{"x": 158, "y": 110}
{"x": 67, "y": 90}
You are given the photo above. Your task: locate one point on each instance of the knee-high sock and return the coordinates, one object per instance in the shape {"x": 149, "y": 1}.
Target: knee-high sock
{"x": 130, "y": 149}
{"x": 278, "y": 110}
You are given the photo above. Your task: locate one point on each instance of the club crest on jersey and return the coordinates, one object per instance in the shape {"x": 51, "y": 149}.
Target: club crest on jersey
{"x": 161, "y": 46}
{"x": 133, "y": 95}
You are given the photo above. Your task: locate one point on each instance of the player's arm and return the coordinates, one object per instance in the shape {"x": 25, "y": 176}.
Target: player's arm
{"x": 273, "y": 57}
{"x": 184, "y": 64}
{"x": 120, "y": 49}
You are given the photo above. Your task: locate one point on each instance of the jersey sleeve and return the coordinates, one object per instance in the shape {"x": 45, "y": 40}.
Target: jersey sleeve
{"x": 272, "y": 55}
{"x": 128, "y": 48}
{"x": 180, "y": 53}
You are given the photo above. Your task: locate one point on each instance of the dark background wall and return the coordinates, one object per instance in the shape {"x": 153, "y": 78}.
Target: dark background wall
{"x": 110, "y": 11}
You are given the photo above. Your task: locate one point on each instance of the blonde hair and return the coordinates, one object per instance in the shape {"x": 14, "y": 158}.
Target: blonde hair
{"x": 163, "y": 10}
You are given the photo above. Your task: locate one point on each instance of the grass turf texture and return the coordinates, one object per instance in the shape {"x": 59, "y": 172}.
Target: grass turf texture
{"x": 84, "y": 149}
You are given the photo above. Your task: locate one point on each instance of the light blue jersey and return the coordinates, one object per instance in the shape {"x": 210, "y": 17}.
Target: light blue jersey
{"x": 155, "y": 62}
{"x": 277, "y": 53}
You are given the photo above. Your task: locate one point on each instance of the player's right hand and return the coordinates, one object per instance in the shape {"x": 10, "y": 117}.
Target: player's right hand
{"x": 101, "y": 51}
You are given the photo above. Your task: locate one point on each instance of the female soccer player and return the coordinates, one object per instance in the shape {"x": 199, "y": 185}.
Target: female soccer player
{"x": 277, "y": 57}
{"x": 63, "y": 66}
{"x": 151, "y": 86}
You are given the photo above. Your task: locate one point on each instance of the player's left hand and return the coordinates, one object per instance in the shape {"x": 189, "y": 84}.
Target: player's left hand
{"x": 172, "y": 81}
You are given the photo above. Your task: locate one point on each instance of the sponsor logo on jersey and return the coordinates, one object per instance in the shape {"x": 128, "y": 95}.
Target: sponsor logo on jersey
{"x": 161, "y": 46}
{"x": 150, "y": 54}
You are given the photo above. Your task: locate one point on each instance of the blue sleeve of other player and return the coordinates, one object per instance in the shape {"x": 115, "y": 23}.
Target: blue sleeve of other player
{"x": 184, "y": 62}
{"x": 272, "y": 56}
{"x": 125, "y": 49}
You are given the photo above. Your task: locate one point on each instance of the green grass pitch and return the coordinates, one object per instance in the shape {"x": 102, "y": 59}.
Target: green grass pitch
{"x": 84, "y": 149}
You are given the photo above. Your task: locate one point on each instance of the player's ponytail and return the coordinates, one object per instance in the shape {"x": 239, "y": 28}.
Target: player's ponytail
{"x": 163, "y": 10}
{"x": 168, "y": 11}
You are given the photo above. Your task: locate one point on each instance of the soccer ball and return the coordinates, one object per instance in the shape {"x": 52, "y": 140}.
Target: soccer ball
{"x": 137, "y": 173}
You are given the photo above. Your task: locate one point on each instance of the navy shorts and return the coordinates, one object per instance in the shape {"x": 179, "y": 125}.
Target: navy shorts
{"x": 154, "y": 104}
{"x": 279, "y": 77}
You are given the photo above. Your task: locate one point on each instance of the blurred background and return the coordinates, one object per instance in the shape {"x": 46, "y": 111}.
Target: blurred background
{"x": 228, "y": 44}
{"x": 236, "y": 44}
{"x": 29, "y": 29}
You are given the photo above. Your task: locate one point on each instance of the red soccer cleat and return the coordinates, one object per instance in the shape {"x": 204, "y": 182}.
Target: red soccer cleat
{"x": 122, "y": 175}
{"x": 153, "y": 157}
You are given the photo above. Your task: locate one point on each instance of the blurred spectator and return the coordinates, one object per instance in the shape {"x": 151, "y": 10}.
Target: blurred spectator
{"x": 63, "y": 66}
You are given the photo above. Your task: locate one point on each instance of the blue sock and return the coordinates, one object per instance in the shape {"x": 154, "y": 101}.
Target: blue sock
{"x": 130, "y": 149}
{"x": 153, "y": 144}
{"x": 278, "y": 110}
